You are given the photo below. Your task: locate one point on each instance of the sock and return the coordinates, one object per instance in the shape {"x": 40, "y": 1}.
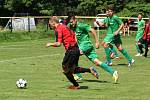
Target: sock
{"x": 71, "y": 79}
{"x": 124, "y": 52}
{"x": 141, "y": 48}
{"x": 116, "y": 53}
{"x": 79, "y": 75}
{"x": 107, "y": 68}
{"x": 137, "y": 48}
{"x": 79, "y": 70}
{"x": 107, "y": 51}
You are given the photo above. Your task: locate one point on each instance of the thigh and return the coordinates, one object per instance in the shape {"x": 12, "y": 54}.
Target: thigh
{"x": 108, "y": 39}
{"x": 92, "y": 55}
{"x": 117, "y": 40}
{"x": 70, "y": 60}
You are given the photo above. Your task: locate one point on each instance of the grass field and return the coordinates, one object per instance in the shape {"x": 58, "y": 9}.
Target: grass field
{"x": 41, "y": 67}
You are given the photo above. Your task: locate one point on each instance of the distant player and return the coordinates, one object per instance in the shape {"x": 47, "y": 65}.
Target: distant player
{"x": 139, "y": 33}
{"x": 86, "y": 47}
{"x": 113, "y": 52}
{"x": 144, "y": 42}
{"x": 114, "y": 25}
{"x": 67, "y": 37}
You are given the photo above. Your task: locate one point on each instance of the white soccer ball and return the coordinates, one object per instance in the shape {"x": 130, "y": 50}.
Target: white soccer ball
{"x": 21, "y": 83}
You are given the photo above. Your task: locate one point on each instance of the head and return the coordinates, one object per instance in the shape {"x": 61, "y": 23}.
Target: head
{"x": 107, "y": 13}
{"x": 73, "y": 21}
{"x": 110, "y": 12}
{"x": 53, "y": 22}
{"x": 140, "y": 16}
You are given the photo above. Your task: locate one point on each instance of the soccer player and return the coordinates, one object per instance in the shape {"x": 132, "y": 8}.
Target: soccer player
{"x": 112, "y": 51}
{"x": 67, "y": 37}
{"x": 114, "y": 25}
{"x": 86, "y": 47}
{"x": 145, "y": 40}
{"x": 139, "y": 33}
{"x": 77, "y": 76}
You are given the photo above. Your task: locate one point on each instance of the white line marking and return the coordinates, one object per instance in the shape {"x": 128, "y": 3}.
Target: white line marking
{"x": 28, "y": 57}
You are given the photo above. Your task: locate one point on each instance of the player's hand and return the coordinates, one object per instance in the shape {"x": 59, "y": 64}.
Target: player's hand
{"x": 48, "y": 45}
{"x": 116, "y": 33}
{"x": 97, "y": 45}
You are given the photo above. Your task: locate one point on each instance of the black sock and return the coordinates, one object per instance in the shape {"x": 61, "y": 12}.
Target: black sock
{"x": 71, "y": 79}
{"x": 141, "y": 48}
{"x": 81, "y": 70}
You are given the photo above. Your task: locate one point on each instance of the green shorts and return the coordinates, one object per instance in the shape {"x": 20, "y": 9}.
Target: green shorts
{"x": 89, "y": 51}
{"x": 138, "y": 37}
{"x": 108, "y": 38}
{"x": 117, "y": 39}
{"x": 113, "y": 39}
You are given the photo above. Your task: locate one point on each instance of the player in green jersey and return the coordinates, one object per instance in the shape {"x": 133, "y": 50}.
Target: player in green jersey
{"x": 114, "y": 25}
{"x": 139, "y": 33}
{"x": 86, "y": 47}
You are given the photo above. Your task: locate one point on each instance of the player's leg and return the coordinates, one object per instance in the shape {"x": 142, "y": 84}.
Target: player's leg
{"x": 91, "y": 70}
{"x": 107, "y": 52}
{"x": 138, "y": 37}
{"x": 92, "y": 56}
{"x": 125, "y": 53}
{"x": 147, "y": 43}
{"x": 77, "y": 76}
{"x": 106, "y": 42}
{"x": 113, "y": 50}
{"x": 107, "y": 68}
{"x": 69, "y": 66}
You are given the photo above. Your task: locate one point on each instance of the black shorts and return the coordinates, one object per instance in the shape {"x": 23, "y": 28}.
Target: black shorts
{"x": 70, "y": 60}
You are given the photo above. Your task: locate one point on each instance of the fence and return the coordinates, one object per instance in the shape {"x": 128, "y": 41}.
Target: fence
{"x": 40, "y": 22}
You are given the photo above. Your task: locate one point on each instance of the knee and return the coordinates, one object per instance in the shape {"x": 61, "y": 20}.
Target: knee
{"x": 96, "y": 62}
{"x": 105, "y": 45}
{"x": 119, "y": 48}
{"x": 65, "y": 71}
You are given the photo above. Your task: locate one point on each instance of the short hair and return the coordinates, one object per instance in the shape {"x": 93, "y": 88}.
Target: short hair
{"x": 140, "y": 13}
{"x": 54, "y": 19}
{"x": 110, "y": 8}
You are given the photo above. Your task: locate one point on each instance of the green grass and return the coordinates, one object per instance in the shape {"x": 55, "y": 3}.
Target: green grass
{"x": 41, "y": 67}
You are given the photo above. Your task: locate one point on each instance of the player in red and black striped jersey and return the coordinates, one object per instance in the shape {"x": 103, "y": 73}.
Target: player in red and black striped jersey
{"x": 70, "y": 61}
{"x": 145, "y": 39}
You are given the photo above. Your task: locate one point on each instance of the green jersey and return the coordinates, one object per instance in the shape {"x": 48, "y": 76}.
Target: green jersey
{"x": 82, "y": 34}
{"x": 140, "y": 31}
{"x": 113, "y": 24}
{"x": 141, "y": 24}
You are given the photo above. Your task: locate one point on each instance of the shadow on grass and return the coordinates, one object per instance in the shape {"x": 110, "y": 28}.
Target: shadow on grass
{"x": 96, "y": 81}
{"x": 123, "y": 65}
{"x": 84, "y": 87}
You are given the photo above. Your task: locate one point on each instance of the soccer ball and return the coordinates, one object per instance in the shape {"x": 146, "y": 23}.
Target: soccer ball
{"x": 21, "y": 83}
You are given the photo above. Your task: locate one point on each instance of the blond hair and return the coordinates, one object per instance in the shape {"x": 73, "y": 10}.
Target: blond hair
{"x": 53, "y": 19}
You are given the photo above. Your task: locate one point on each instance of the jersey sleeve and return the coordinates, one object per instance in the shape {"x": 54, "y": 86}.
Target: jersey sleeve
{"x": 105, "y": 21}
{"x": 85, "y": 27}
{"x": 143, "y": 22}
{"x": 118, "y": 20}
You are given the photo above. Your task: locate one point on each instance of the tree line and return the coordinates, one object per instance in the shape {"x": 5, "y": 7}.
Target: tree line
{"x": 80, "y": 7}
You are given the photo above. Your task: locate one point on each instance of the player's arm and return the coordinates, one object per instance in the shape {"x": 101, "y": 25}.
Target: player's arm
{"x": 58, "y": 36}
{"x": 101, "y": 24}
{"x": 119, "y": 21}
{"x": 95, "y": 37}
{"x": 55, "y": 44}
{"x": 119, "y": 29}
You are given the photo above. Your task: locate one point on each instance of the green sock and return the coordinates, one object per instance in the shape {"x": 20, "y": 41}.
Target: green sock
{"x": 116, "y": 53}
{"x": 137, "y": 48}
{"x": 107, "y": 51}
{"x": 125, "y": 53}
{"x": 79, "y": 75}
{"x": 107, "y": 68}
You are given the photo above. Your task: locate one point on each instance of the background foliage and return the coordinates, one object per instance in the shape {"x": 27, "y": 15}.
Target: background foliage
{"x": 81, "y": 7}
